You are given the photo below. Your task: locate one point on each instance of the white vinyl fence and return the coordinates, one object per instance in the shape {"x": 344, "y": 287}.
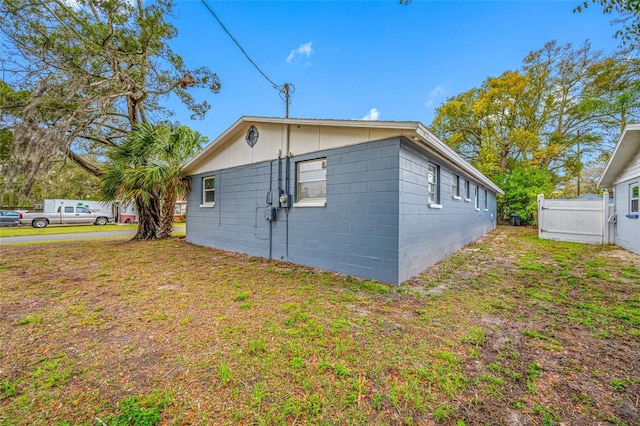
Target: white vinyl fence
{"x": 582, "y": 221}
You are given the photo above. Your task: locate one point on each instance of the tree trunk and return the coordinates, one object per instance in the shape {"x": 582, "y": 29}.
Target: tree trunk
{"x": 148, "y": 218}
{"x": 168, "y": 208}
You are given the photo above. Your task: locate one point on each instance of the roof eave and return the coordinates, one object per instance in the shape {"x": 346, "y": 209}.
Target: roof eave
{"x": 400, "y": 125}
{"x": 427, "y": 138}
{"x": 421, "y": 135}
{"x": 622, "y": 155}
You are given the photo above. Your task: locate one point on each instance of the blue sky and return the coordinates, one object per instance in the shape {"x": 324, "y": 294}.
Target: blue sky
{"x": 346, "y": 59}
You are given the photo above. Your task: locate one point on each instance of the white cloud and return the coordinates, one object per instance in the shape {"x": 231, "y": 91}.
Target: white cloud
{"x": 434, "y": 94}
{"x": 373, "y": 115}
{"x": 304, "y": 49}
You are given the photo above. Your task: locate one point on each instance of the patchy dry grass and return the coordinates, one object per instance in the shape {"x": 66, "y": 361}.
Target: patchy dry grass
{"x": 511, "y": 330}
{"x": 27, "y": 230}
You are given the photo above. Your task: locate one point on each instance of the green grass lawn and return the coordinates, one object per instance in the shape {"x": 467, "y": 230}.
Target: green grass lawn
{"x": 510, "y": 330}
{"x": 25, "y": 230}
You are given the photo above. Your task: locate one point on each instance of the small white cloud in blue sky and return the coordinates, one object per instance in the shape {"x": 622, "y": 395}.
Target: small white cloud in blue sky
{"x": 434, "y": 94}
{"x": 373, "y": 115}
{"x": 304, "y": 49}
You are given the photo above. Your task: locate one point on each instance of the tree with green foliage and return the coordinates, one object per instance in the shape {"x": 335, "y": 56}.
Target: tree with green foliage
{"x": 175, "y": 146}
{"x": 560, "y": 110}
{"x": 93, "y": 70}
{"x": 521, "y": 185}
{"x": 612, "y": 92}
{"x": 629, "y": 11}
{"x": 145, "y": 167}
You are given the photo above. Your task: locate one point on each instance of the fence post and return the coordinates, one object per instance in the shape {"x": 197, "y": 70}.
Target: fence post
{"x": 540, "y": 215}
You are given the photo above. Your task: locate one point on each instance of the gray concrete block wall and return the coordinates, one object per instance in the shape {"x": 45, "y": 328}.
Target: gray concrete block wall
{"x": 376, "y": 223}
{"x": 627, "y": 229}
{"x": 236, "y": 222}
{"x": 427, "y": 235}
{"x": 356, "y": 233}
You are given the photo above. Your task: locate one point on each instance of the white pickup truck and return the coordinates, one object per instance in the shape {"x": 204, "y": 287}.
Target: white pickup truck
{"x": 65, "y": 215}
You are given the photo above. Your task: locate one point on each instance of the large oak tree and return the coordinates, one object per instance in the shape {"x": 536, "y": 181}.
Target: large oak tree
{"x": 92, "y": 70}
{"x": 562, "y": 108}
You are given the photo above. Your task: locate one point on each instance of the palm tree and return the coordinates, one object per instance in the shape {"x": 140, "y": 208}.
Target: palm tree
{"x": 146, "y": 168}
{"x": 174, "y": 149}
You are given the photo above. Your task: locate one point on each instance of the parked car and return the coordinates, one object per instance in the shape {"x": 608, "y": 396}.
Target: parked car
{"x": 65, "y": 215}
{"x": 9, "y": 218}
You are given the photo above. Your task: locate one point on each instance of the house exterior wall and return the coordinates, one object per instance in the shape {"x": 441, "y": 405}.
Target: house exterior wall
{"x": 356, "y": 233}
{"x": 427, "y": 235}
{"x": 376, "y": 223}
{"x": 627, "y": 229}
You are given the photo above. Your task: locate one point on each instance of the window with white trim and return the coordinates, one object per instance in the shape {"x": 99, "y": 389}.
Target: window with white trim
{"x": 311, "y": 176}
{"x": 208, "y": 190}
{"x": 467, "y": 191}
{"x": 486, "y": 200}
{"x": 477, "y": 197}
{"x": 433, "y": 184}
{"x": 634, "y": 197}
{"x": 455, "y": 188}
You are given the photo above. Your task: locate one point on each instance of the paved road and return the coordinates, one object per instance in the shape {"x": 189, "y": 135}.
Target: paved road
{"x": 66, "y": 237}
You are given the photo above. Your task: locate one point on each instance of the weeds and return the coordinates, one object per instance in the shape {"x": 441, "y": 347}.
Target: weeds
{"x": 133, "y": 411}
{"x": 7, "y": 389}
{"x": 244, "y": 340}
{"x": 224, "y": 374}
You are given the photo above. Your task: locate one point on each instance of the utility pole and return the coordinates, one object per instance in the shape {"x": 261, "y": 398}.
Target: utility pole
{"x": 287, "y": 98}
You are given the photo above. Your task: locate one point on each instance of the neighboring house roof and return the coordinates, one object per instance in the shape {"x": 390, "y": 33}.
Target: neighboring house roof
{"x": 589, "y": 197}
{"x": 412, "y": 130}
{"x": 625, "y": 151}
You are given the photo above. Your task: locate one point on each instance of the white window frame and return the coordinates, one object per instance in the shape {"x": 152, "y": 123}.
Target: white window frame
{"x": 311, "y": 202}
{"x": 467, "y": 191}
{"x": 455, "y": 188}
{"x": 206, "y": 203}
{"x": 477, "y": 198}
{"x": 433, "y": 186}
{"x": 634, "y": 209}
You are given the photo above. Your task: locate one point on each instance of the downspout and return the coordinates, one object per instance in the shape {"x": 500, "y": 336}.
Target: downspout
{"x": 271, "y": 207}
{"x": 286, "y": 182}
{"x": 219, "y": 208}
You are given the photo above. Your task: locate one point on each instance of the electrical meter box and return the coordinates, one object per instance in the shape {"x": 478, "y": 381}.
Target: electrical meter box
{"x": 285, "y": 200}
{"x": 270, "y": 214}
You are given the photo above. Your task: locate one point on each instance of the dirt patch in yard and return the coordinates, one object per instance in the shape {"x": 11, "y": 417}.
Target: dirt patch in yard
{"x": 511, "y": 330}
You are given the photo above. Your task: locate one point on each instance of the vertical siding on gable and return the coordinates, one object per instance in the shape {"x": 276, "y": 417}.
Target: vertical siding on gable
{"x": 627, "y": 229}
{"x": 427, "y": 235}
